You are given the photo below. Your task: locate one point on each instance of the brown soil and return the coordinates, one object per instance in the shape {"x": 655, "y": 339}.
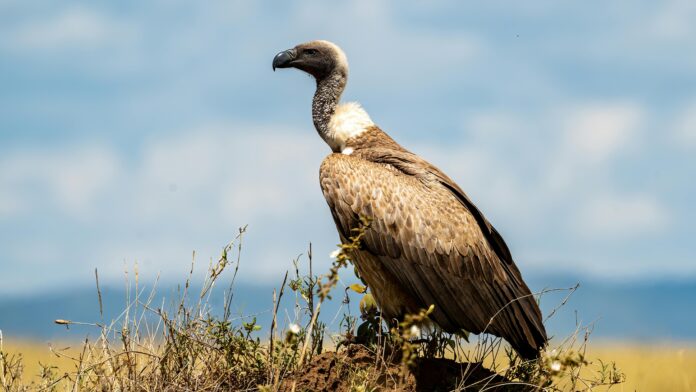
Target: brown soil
{"x": 357, "y": 366}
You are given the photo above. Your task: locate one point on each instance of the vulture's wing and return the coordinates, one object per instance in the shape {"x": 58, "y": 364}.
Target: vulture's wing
{"x": 433, "y": 240}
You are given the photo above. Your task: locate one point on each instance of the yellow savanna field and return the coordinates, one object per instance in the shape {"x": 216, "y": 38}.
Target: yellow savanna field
{"x": 652, "y": 367}
{"x": 647, "y": 367}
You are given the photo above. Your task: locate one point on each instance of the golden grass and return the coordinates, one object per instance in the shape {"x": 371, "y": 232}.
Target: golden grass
{"x": 651, "y": 367}
{"x": 648, "y": 367}
{"x": 35, "y": 353}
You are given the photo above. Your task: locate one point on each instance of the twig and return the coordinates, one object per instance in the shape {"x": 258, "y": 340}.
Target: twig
{"x": 276, "y": 304}
{"x": 308, "y": 333}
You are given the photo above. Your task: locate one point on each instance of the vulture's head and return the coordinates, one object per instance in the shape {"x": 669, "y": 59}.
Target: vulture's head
{"x": 318, "y": 58}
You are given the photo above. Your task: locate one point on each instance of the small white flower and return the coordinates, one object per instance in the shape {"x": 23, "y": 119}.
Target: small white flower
{"x": 555, "y": 366}
{"x": 335, "y": 253}
{"x": 294, "y": 328}
{"x": 414, "y": 331}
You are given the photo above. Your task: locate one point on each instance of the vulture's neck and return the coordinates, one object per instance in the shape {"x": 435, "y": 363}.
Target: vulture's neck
{"x": 337, "y": 123}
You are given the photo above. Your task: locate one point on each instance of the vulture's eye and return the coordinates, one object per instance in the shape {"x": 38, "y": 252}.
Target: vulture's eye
{"x": 311, "y": 52}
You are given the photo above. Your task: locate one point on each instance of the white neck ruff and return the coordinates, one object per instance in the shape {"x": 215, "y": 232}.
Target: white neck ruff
{"x": 348, "y": 121}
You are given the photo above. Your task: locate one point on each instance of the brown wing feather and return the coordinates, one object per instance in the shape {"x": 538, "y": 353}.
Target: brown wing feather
{"x": 427, "y": 245}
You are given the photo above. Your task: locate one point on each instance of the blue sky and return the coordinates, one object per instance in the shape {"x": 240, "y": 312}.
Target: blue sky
{"x": 138, "y": 132}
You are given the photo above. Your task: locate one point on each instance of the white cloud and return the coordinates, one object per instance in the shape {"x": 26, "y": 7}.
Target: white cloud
{"x": 621, "y": 216}
{"x": 674, "y": 19}
{"x": 685, "y": 127}
{"x": 212, "y": 179}
{"x": 190, "y": 191}
{"x": 596, "y": 132}
{"x": 10, "y": 204}
{"x": 74, "y": 27}
{"x": 592, "y": 137}
{"x": 71, "y": 179}
{"x": 233, "y": 166}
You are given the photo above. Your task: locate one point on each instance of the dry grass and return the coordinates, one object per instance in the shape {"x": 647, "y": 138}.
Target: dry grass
{"x": 652, "y": 367}
{"x": 184, "y": 346}
{"x": 648, "y": 367}
{"x": 34, "y": 354}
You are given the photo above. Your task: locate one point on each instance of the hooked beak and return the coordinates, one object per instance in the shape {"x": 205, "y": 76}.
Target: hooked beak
{"x": 283, "y": 59}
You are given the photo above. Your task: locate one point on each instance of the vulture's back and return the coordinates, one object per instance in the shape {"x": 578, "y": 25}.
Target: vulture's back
{"x": 426, "y": 245}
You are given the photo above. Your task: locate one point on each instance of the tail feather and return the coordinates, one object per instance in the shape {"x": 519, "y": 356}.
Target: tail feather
{"x": 533, "y": 339}
{"x": 520, "y": 324}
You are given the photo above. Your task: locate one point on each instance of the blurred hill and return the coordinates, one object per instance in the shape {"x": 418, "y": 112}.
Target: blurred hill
{"x": 636, "y": 311}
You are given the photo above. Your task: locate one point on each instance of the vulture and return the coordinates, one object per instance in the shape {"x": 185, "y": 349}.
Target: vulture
{"x": 427, "y": 243}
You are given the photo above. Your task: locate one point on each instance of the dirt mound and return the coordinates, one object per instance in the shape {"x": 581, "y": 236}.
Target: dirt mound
{"x": 357, "y": 368}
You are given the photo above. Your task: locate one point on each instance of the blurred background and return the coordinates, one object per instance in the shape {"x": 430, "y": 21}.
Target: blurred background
{"x": 135, "y": 133}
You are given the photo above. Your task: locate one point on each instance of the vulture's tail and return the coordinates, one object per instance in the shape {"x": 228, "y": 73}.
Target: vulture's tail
{"x": 531, "y": 337}
{"x": 520, "y": 322}
{"x": 530, "y": 350}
